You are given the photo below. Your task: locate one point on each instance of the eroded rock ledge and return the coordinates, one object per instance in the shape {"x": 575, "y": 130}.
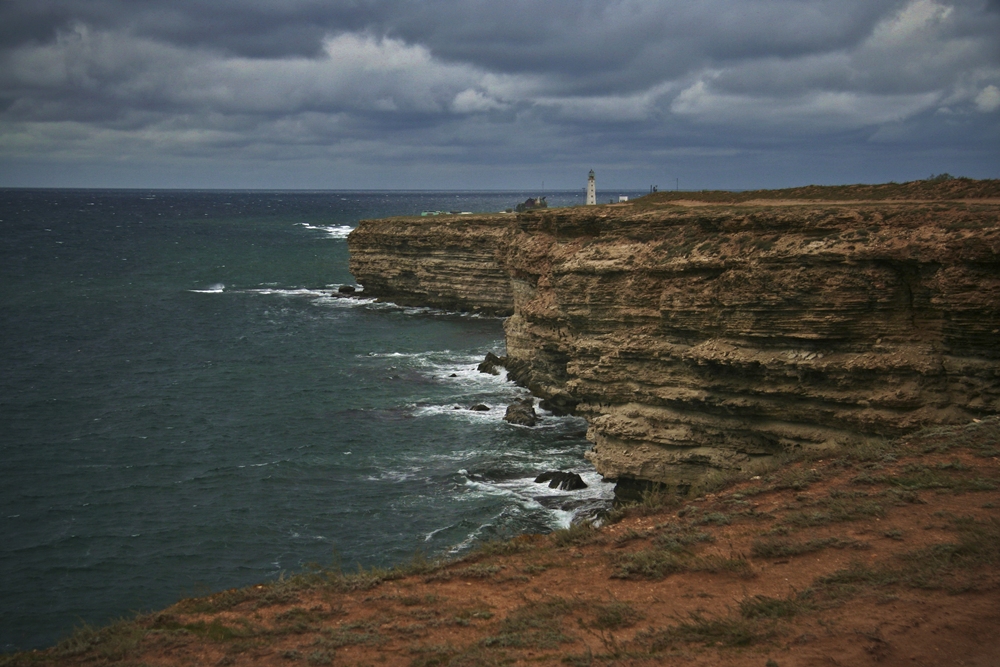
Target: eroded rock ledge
{"x": 446, "y": 262}
{"x": 709, "y": 336}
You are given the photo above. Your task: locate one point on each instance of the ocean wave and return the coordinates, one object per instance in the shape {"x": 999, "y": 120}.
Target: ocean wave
{"x": 561, "y": 507}
{"x": 324, "y": 297}
{"x": 459, "y": 369}
{"x": 215, "y": 288}
{"x": 332, "y": 231}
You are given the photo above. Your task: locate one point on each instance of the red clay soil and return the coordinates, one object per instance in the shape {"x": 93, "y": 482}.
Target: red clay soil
{"x": 884, "y": 555}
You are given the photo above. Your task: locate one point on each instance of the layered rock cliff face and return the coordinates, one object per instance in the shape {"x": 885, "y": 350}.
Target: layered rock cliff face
{"x": 445, "y": 262}
{"x": 704, "y": 337}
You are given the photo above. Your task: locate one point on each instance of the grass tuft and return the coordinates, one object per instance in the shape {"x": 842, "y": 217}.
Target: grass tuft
{"x": 615, "y": 616}
{"x": 535, "y": 625}
{"x": 761, "y": 606}
{"x": 775, "y": 547}
{"x": 725, "y": 631}
{"x": 578, "y": 534}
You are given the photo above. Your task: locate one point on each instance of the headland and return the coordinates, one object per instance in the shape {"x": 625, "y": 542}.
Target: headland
{"x": 708, "y": 333}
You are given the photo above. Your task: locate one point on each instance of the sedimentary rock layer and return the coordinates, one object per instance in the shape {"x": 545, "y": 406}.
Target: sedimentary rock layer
{"x": 445, "y": 262}
{"x": 708, "y": 337}
{"x": 705, "y": 337}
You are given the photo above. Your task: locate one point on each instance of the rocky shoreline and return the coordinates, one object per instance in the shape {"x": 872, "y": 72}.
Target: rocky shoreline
{"x": 707, "y": 337}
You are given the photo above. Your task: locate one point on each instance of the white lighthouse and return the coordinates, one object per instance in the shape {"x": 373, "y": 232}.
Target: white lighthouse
{"x": 591, "y": 189}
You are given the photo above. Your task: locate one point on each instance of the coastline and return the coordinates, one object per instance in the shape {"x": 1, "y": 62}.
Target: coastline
{"x": 704, "y": 340}
{"x": 187, "y": 630}
{"x": 882, "y": 554}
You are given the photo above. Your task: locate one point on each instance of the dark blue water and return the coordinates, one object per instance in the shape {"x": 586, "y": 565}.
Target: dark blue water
{"x": 185, "y": 407}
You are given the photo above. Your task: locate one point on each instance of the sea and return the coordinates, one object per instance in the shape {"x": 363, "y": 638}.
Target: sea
{"x": 186, "y": 406}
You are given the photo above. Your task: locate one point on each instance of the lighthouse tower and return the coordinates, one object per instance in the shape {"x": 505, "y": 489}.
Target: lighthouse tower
{"x": 591, "y": 189}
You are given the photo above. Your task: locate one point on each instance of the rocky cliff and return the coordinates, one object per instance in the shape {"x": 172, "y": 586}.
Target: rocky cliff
{"x": 445, "y": 261}
{"x": 696, "y": 336}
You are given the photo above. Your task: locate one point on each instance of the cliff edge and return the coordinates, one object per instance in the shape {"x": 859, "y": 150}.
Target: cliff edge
{"x": 446, "y": 261}
{"x": 715, "y": 331}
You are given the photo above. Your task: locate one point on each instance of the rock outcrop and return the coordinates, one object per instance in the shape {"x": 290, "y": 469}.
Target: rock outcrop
{"x": 445, "y": 261}
{"x": 521, "y": 413}
{"x": 564, "y": 481}
{"x": 704, "y": 336}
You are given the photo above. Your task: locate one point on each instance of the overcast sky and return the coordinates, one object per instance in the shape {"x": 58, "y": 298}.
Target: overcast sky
{"x": 497, "y": 94}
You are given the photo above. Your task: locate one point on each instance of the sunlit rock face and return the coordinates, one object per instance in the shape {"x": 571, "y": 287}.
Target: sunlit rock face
{"x": 710, "y": 337}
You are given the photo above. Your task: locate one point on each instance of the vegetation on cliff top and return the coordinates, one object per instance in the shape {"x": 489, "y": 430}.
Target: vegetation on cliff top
{"x": 937, "y": 188}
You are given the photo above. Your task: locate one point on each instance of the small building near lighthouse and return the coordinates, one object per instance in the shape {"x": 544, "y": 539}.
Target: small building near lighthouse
{"x": 591, "y": 189}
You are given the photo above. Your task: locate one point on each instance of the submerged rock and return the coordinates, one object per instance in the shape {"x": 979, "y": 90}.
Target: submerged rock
{"x": 521, "y": 413}
{"x": 347, "y": 289}
{"x": 479, "y": 407}
{"x": 557, "y": 479}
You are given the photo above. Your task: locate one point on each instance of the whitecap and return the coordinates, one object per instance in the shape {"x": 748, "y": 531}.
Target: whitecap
{"x": 461, "y": 412}
{"x": 332, "y": 231}
{"x": 215, "y": 288}
{"x": 301, "y": 291}
{"x": 324, "y": 297}
{"x": 429, "y": 536}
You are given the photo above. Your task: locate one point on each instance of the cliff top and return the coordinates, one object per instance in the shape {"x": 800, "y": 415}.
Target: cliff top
{"x": 886, "y": 553}
{"x": 942, "y": 188}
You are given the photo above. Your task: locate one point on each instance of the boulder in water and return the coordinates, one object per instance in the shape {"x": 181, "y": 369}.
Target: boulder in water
{"x": 521, "y": 413}
{"x": 479, "y": 407}
{"x": 492, "y": 364}
{"x": 557, "y": 479}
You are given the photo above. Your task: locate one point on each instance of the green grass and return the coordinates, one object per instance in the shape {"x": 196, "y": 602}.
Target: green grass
{"x": 615, "y": 616}
{"x": 832, "y": 510}
{"x": 723, "y": 631}
{"x": 630, "y": 535}
{"x": 652, "y": 501}
{"x": 761, "y": 606}
{"x": 679, "y": 538}
{"x": 450, "y": 656}
{"x": 952, "y": 566}
{"x": 480, "y": 571}
{"x": 112, "y": 642}
{"x": 982, "y": 438}
{"x": 773, "y": 547}
{"x": 534, "y": 625}
{"x": 916, "y": 476}
{"x": 363, "y": 633}
{"x": 715, "y": 518}
{"x": 797, "y": 479}
{"x": 577, "y": 534}
{"x": 501, "y": 548}
{"x": 931, "y": 189}
{"x": 658, "y": 564}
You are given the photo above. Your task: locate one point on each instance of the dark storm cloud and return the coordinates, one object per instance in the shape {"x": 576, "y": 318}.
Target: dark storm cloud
{"x": 495, "y": 83}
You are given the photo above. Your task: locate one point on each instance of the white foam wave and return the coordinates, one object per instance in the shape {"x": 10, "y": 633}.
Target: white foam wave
{"x": 399, "y": 475}
{"x": 462, "y": 412}
{"x": 429, "y": 536}
{"x": 288, "y": 292}
{"x": 216, "y": 288}
{"x": 324, "y": 297}
{"x": 332, "y": 231}
{"x": 435, "y": 312}
{"x": 561, "y": 507}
